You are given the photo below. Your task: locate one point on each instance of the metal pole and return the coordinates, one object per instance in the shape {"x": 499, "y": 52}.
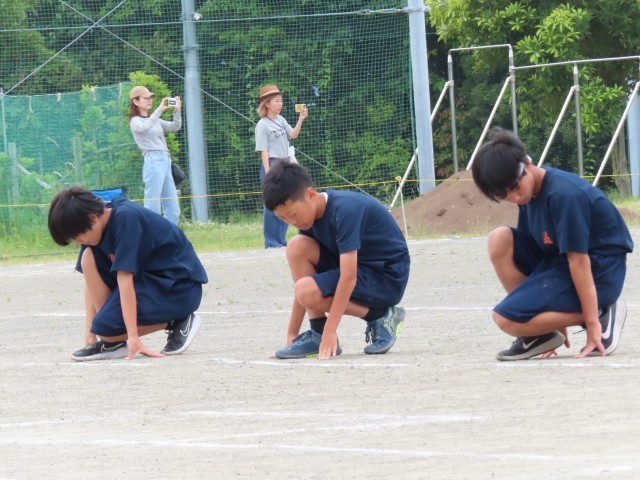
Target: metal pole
{"x": 633, "y": 136}
{"x": 633, "y": 96}
{"x": 452, "y": 108}
{"x": 576, "y": 83}
{"x": 193, "y": 114}
{"x": 422, "y": 102}
{"x": 489, "y": 120}
{"x": 557, "y": 125}
{"x": 514, "y": 105}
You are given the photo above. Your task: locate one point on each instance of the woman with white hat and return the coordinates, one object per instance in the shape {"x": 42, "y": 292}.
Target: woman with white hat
{"x": 272, "y": 143}
{"x": 160, "y": 194}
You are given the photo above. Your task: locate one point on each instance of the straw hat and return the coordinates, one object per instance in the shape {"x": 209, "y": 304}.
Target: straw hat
{"x": 140, "y": 91}
{"x": 268, "y": 91}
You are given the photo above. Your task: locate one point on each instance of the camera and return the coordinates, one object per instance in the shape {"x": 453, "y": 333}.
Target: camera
{"x": 300, "y": 106}
{"x": 172, "y": 102}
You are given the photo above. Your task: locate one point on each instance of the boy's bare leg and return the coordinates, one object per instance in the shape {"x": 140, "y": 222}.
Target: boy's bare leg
{"x": 142, "y": 330}
{"x": 303, "y": 254}
{"x": 95, "y": 293}
{"x": 500, "y": 248}
{"x": 540, "y": 324}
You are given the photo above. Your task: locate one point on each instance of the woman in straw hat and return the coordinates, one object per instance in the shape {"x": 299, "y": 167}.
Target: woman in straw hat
{"x": 160, "y": 192}
{"x": 272, "y": 143}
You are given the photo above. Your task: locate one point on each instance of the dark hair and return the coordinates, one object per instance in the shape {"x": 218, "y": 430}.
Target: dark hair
{"x": 284, "y": 181}
{"x": 496, "y": 167}
{"x": 69, "y": 213}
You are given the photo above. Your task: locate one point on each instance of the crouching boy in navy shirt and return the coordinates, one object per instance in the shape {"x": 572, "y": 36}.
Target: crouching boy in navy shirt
{"x": 349, "y": 258}
{"x": 141, "y": 275}
{"x": 564, "y": 264}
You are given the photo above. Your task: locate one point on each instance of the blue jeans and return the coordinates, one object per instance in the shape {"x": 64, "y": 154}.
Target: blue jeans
{"x": 273, "y": 229}
{"x": 160, "y": 194}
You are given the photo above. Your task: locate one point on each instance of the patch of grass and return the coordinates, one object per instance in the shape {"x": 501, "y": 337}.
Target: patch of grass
{"x": 34, "y": 245}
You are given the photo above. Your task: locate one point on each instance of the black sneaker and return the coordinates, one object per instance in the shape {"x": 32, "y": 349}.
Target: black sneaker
{"x": 612, "y": 321}
{"x": 101, "y": 351}
{"x": 527, "y": 347}
{"x": 180, "y": 334}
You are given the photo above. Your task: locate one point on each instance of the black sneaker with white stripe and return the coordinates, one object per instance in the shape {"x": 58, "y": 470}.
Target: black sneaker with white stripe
{"x": 180, "y": 334}
{"x": 527, "y": 347}
{"x": 101, "y": 351}
{"x": 612, "y": 321}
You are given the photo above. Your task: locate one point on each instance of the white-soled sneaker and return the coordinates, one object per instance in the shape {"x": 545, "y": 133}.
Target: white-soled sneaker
{"x": 181, "y": 333}
{"x": 101, "y": 351}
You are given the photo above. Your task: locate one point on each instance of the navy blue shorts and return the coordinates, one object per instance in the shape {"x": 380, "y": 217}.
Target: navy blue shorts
{"x": 159, "y": 300}
{"x": 549, "y": 286}
{"x": 378, "y": 285}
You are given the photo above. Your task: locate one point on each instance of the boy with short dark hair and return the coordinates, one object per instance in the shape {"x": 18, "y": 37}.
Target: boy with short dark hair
{"x": 141, "y": 274}
{"x": 564, "y": 264}
{"x": 349, "y": 258}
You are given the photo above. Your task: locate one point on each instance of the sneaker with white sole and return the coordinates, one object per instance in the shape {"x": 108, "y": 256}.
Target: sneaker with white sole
{"x": 305, "y": 345}
{"x": 612, "y": 320}
{"x": 527, "y": 347}
{"x": 381, "y": 334}
{"x": 180, "y": 334}
{"x": 101, "y": 351}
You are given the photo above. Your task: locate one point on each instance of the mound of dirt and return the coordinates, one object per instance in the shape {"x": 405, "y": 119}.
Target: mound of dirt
{"x": 457, "y": 206}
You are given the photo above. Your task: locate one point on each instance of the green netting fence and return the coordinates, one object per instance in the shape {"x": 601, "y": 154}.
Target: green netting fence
{"x": 66, "y": 68}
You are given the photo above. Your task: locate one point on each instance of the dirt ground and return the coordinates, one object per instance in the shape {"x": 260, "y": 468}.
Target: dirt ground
{"x": 437, "y": 406}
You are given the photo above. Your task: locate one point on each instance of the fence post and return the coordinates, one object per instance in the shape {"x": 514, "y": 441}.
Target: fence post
{"x": 633, "y": 136}
{"x": 576, "y": 83}
{"x": 421, "y": 91}
{"x": 193, "y": 114}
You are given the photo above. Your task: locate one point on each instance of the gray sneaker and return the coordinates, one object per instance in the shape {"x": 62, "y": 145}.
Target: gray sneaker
{"x": 381, "y": 334}
{"x": 101, "y": 351}
{"x": 527, "y": 347}
{"x": 305, "y": 345}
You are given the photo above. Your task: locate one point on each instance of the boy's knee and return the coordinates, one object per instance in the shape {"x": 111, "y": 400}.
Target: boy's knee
{"x": 507, "y": 326}
{"x": 300, "y": 245}
{"x": 307, "y": 292}
{"x": 499, "y": 242}
{"x": 88, "y": 260}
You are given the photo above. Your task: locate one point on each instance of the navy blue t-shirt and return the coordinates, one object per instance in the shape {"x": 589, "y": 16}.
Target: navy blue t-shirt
{"x": 353, "y": 221}
{"x": 571, "y": 215}
{"x": 138, "y": 240}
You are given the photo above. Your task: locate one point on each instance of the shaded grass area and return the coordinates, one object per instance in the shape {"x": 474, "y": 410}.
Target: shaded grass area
{"x": 35, "y": 244}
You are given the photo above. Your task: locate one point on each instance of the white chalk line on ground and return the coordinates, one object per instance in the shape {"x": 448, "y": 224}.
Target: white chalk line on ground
{"x": 369, "y": 452}
{"x": 446, "y": 418}
{"x": 307, "y": 363}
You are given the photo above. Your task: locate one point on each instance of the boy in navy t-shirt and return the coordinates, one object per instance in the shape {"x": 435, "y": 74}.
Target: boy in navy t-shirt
{"x": 349, "y": 258}
{"x": 564, "y": 264}
{"x": 141, "y": 275}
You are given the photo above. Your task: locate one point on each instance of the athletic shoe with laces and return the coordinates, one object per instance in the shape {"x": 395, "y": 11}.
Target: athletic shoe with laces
{"x": 305, "y": 345}
{"x": 101, "y": 351}
{"x": 527, "y": 347}
{"x": 612, "y": 320}
{"x": 381, "y": 334}
{"x": 180, "y": 334}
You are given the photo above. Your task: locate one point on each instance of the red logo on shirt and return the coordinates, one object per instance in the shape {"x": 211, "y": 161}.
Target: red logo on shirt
{"x": 111, "y": 257}
{"x": 546, "y": 239}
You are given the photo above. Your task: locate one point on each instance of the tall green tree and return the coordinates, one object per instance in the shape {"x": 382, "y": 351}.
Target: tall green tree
{"x": 547, "y": 32}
